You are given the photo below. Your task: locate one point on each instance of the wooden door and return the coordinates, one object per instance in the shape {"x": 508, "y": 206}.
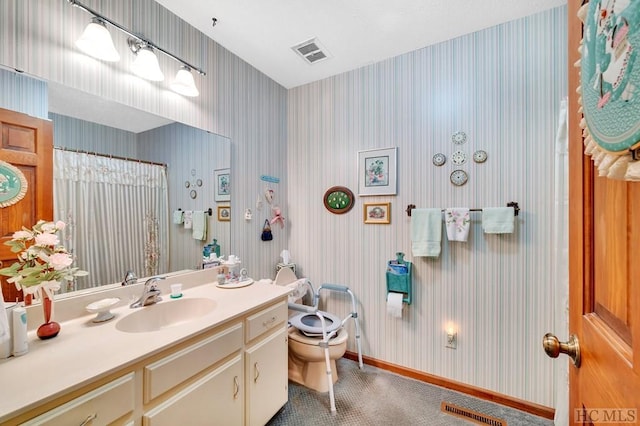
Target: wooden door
{"x": 27, "y": 143}
{"x": 604, "y": 289}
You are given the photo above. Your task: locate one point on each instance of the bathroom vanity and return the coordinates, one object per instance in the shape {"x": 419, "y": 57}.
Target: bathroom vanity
{"x": 220, "y": 357}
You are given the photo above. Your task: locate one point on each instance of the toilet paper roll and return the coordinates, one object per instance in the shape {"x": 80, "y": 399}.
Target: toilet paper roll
{"x": 394, "y": 304}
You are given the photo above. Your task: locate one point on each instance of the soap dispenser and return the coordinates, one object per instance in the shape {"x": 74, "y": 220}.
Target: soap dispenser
{"x": 215, "y": 248}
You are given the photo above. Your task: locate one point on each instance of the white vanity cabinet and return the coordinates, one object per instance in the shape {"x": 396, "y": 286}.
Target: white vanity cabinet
{"x": 213, "y": 397}
{"x": 101, "y": 406}
{"x": 232, "y": 374}
{"x": 266, "y": 371}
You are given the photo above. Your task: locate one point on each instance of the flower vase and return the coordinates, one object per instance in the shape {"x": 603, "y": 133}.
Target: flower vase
{"x": 49, "y": 329}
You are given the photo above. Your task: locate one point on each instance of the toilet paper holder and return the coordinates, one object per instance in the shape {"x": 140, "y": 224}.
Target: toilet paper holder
{"x": 399, "y": 277}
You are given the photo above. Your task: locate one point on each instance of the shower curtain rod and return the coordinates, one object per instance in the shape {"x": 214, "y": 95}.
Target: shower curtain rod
{"x": 117, "y": 157}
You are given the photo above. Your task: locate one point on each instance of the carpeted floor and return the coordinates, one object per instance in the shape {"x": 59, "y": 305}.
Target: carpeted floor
{"x": 372, "y": 396}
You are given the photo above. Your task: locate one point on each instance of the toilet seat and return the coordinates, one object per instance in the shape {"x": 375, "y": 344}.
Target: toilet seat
{"x": 310, "y": 324}
{"x": 298, "y": 336}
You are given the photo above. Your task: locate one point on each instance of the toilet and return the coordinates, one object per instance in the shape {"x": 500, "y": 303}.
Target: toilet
{"x": 307, "y": 364}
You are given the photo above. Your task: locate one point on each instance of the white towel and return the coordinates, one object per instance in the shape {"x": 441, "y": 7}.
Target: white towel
{"x": 178, "y": 217}
{"x": 457, "y": 223}
{"x": 426, "y": 232}
{"x": 188, "y": 219}
{"x": 199, "y": 225}
{"x": 497, "y": 220}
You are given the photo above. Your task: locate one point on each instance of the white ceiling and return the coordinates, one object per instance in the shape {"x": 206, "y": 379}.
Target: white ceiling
{"x": 356, "y": 33}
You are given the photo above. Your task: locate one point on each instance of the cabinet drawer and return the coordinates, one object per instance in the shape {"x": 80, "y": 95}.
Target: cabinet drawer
{"x": 168, "y": 372}
{"x": 101, "y": 406}
{"x": 266, "y": 320}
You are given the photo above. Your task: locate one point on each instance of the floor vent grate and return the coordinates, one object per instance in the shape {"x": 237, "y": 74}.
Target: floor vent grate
{"x": 471, "y": 415}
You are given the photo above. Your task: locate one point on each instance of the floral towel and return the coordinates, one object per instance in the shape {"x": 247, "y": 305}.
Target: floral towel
{"x": 457, "y": 223}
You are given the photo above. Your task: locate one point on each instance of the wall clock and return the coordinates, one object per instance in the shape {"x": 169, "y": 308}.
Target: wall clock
{"x": 338, "y": 199}
{"x": 458, "y": 177}
{"x": 439, "y": 159}
{"x": 458, "y": 158}
{"x": 459, "y": 138}
{"x": 480, "y": 156}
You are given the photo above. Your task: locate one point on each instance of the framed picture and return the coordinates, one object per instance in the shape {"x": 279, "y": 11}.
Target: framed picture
{"x": 222, "y": 182}
{"x": 224, "y": 213}
{"x": 379, "y": 213}
{"x": 377, "y": 172}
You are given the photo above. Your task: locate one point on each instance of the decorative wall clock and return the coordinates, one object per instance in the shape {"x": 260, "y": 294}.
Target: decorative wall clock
{"x": 338, "y": 199}
{"x": 480, "y": 156}
{"x": 458, "y": 158}
{"x": 458, "y": 177}
{"x": 439, "y": 159}
{"x": 459, "y": 138}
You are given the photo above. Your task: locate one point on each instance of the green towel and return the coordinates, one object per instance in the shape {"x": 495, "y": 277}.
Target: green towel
{"x": 426, "y": 232}
{"x": 497, "y": 220}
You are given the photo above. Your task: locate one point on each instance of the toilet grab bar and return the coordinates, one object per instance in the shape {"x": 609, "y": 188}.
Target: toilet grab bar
{"x": 324, "y": 343}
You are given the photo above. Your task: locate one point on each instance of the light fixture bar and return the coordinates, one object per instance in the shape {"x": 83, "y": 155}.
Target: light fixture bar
{"x": 134, "y": 35}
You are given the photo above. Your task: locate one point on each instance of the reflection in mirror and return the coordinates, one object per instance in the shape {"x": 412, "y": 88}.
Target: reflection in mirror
{"x": 106, "y": 154}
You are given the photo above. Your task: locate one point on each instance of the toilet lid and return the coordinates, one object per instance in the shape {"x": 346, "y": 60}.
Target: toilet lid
{"x": 310, "y": 324}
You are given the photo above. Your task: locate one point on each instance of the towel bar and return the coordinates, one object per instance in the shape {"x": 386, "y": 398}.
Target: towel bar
{"x": 514, "y": 204}
{"x": 210, "y": 211}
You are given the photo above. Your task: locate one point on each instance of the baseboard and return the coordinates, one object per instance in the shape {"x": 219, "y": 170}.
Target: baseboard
{"x": 518, "y": 404}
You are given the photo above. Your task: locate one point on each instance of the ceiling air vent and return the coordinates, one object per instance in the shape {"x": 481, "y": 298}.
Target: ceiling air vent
{"x": 311, "y": 51}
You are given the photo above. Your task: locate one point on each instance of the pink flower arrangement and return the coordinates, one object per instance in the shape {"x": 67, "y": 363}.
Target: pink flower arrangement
{"x": 42, "y": 262}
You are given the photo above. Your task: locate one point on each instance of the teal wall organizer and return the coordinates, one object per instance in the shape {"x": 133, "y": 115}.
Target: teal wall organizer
{"x": 399, "y": 277}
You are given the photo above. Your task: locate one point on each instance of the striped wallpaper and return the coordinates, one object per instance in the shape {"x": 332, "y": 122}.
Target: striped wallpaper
{"x": 502, "y": 86}
{"x": 183, "y": 149}
{"x": 236, "y": 101}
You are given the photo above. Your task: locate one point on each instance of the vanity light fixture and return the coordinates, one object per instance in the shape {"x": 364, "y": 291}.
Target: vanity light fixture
{"x": 184, "y": 83}
{"x": 146, "y": 63}
{"x": 96, "y": 41}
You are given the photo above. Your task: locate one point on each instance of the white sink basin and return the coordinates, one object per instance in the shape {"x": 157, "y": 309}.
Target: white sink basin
{"x": 165, "y": 314}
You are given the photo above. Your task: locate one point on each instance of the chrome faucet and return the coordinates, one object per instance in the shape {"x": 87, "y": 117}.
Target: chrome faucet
{"x": 150, "y": 293}
{"x": 130, "y": 278}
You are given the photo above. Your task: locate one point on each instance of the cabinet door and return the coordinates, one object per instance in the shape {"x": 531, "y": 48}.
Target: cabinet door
{"x": 266, "y": 376}
{"x": 215, "y": 399}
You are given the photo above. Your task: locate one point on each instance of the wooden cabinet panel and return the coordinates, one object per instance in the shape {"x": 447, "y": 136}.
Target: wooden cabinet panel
{"x": 266, "y": 320}
{"x": 101, "y": 406}
{"x": 168, "y": 372}
{"x": 266, "y": 377}
{"x": 215, "y": 399}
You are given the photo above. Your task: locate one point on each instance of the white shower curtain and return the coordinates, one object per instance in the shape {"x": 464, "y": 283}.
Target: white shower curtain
{"x": 561, "y": 264}
{"x": 116, "y": 213}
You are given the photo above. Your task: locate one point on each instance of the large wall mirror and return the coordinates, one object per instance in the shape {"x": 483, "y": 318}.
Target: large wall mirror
{"x": 90, "y": 128}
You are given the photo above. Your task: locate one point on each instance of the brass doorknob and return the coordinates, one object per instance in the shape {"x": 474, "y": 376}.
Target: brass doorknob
{"x": 553, "y": 347}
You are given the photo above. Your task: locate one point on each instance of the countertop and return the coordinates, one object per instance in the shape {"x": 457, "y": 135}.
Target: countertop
{"x": 85, "y": 351}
